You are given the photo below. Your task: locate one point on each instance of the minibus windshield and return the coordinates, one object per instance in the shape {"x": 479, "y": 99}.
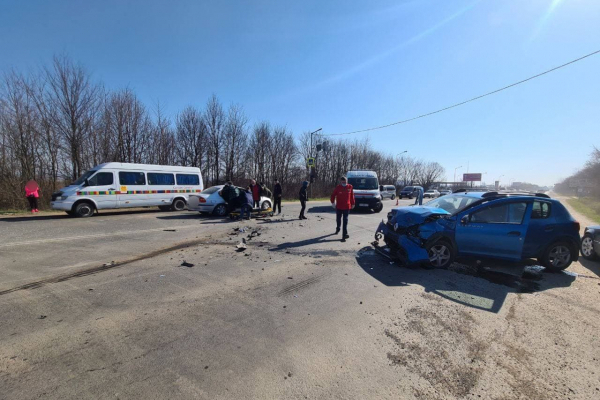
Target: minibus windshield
{"x": 83, "y": 177}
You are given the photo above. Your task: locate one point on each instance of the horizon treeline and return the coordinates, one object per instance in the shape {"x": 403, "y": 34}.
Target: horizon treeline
{"x": 57, "y": 122}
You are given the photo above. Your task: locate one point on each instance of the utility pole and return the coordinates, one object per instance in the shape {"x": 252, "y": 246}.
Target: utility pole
{"x": 310, "y": 156}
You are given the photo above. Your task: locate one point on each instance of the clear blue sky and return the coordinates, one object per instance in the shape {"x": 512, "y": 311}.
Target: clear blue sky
{"x": 345, "y": 65}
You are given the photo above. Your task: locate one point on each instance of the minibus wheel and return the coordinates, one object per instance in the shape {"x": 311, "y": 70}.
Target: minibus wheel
{"x": 84, "y": 209}
{"x": 178, "y": 205}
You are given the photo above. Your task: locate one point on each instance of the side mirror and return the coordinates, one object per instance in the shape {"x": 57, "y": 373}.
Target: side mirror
{"x": 465, "y": 219}
{"x": 381, "y": 188}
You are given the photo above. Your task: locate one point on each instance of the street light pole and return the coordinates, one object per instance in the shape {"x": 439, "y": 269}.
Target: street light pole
{"x": 310, "y": 155}
{"x": 455, "y": 173}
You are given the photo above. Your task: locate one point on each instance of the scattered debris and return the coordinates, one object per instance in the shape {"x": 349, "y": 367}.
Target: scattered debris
{"x": 289, "y": 277}
{"x": 186, "y": 264}
{"x": 110, "y": 264}
{"x": 169, "y": 230}
{"x": 241, "y": 246}
{"x": 162, "y": 276}
{"x": 42, "y": 317}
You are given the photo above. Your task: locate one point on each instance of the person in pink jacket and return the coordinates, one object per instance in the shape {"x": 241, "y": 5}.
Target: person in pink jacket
{"x": 32, "y": 193}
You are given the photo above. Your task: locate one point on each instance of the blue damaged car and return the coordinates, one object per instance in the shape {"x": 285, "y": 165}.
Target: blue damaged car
{"x": 481, "y": 225}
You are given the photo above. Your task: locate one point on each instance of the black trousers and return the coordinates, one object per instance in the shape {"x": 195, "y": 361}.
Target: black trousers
{"x": 33, "y": 204}
{"x": 338, "y": 220}
{"x": 256, "y": 203}
{"x": 277, "y": 204}
{"x": 303, "y": 204}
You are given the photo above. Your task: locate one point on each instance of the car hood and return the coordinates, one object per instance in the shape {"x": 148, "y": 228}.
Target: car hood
{"x": 409, "y": 216}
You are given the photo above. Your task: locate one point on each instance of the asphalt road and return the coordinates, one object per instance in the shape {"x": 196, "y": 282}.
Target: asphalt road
{"x": 103, "y": 308}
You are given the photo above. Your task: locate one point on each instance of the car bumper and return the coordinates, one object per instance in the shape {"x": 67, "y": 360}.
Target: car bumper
{"x": 400, "y": 247}
{"x": 61, "y": 205}
{"x": 201, "y": 208}
{"x": 368, "y": 202}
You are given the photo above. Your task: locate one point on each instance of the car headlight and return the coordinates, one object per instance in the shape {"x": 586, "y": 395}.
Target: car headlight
{"x": 63, "y": 197}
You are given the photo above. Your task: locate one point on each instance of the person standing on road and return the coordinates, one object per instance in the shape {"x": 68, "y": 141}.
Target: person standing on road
{"x": 32, "y": 193}
{"x": 246, "y": 201}
{"x": 419, "y": 197}
{"x": 277, "y": 194}
{"x": 256, "y": 189}
{"x": 303, "y": 196}
{"x": 342, "y": 199}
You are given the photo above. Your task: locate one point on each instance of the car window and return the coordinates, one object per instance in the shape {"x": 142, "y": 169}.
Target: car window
{"x": 540, "y": 210}
{"x": 407, "y": 189}
{"x": 188, "y": 179}
{"x": 101, "y": 179}
{"x": 132, "y": 178}
{"x": 211, "y": 190}
{"x": 155, "y": 178}
{"x": 507, "y": 213}
{"x": 452, "y": 203}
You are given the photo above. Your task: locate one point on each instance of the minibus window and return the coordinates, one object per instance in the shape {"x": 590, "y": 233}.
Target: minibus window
{"x": 132, "y": 178}
{"x": 155, "y": 178}
{"x": 188, "y": 179}
{"x": 101, "y": 179}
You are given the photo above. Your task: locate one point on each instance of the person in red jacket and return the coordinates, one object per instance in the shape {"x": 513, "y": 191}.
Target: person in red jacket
{"x": 32, "y": 193}
{"x": 342, "y": 200}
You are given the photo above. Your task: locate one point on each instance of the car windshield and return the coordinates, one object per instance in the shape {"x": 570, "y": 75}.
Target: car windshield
{"x": 364, "y": 183}
{"x": 452, "y": 203}
{"x": 210, "y": 190}
{"x": 407, "y": 189}
{"x": 83, "y": 177}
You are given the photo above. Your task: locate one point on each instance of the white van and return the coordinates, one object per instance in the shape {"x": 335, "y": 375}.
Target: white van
{"x": 366, "y": 189}
{"x": 122, "y": 185}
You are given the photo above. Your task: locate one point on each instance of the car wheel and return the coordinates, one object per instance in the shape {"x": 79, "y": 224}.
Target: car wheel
{"x": 220, "y": 210}
{"x": 178, "y": 205}
{"x": 587, "y": 247}
{"x": 441, "y": 254}
{"x": 84, "y": 210}
{"x": 265, "y": 205}
{"x": 393, "y": 197}
{"x": 557, "y": 257}
{"x": 378, "y": 208}
{"x": 164, "y": 208}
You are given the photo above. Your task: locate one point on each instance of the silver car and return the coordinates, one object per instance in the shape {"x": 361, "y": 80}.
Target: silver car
{"x": 388, "y": 191}
{"x": 209, "y": 201}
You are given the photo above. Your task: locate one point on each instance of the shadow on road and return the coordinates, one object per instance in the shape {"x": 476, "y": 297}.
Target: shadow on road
{"x": 319, "y": 209}
{"x": 483, "y": 288}
{"x": 593, "y": 266}
{"x": 302, "y": 243}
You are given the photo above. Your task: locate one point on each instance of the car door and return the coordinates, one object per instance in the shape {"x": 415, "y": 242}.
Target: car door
{"x": 101, "y": 188}
{"x": 132, "y": 189}
{"x": 541, "y": 230}
{"x": 493, "y": 230}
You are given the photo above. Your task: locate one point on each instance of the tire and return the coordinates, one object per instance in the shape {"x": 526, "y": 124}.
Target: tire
{"x": 587, "y": 248}
{"x": 378, "y": 208}
{"x": 84, "y": 210}
{"x": 265, "y": 205}
{"x": 220, "y": 210}
{"x": 178, "y": 205}
{"x": 441, "y": 254}
{"x": 164, "y": 208}
{"x": 393, "y": 197}
{"x": 557, "y": 257}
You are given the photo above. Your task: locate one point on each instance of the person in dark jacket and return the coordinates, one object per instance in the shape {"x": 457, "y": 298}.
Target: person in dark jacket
{"x": 246, "y": 201}
{"x": 229, "y": 194}
{"x": 303, "y": 195}
{"x": 277, "y": 195}
{"x": 342, "y": 199}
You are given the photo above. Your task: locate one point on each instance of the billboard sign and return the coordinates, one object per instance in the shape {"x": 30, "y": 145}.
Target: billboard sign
{"x": 472, "y": 177}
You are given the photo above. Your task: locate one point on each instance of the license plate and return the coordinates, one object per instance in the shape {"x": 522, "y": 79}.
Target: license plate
{"x": 363, "y": 205}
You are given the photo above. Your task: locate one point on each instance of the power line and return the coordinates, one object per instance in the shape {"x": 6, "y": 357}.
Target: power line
{"x": 467, "y": 101}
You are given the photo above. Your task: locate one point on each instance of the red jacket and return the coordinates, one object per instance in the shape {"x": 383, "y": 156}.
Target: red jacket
{"x": 32, "y": 193}
{"x": 344, "y": 195}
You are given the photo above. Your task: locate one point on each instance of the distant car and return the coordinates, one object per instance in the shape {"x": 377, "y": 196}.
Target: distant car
{"x": 445, "y": 192}
{"x": 388, "y": 191}
{"x": 483, "y": 225}
{"x": 431, "y": 193}
{"x": 210, "y": 201}
{"x": 590, "y": 243}
{"x": 410, "y": 191}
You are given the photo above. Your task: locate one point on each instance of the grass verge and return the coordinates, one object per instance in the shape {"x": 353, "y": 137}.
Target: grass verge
{"x": 587, "y": 206}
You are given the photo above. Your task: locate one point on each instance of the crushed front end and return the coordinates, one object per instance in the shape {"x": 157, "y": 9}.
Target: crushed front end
{"x": 407, "y": 232}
